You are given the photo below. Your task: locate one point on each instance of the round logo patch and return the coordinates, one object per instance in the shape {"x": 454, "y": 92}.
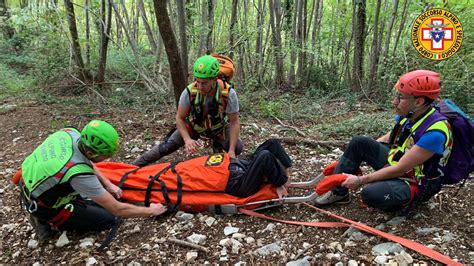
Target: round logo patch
{"x": 215, "y": 159}
{"x": 201, "y": 66}
{"x": 437, "y": 34}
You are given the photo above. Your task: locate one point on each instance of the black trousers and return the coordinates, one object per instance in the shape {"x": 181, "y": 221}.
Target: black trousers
{"x": 86, "y": 216}
{"x": 174, "y": 141}
{"x": 266, "y": 165}
{"x": 388, "y": 195}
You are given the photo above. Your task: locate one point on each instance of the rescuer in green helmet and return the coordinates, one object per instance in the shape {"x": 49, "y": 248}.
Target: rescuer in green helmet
{"x": 59, "y": 174}
{"x": 208, "y": 108}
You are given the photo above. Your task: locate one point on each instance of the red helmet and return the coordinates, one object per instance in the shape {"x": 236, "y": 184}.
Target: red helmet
{"x": 420, "y": 83}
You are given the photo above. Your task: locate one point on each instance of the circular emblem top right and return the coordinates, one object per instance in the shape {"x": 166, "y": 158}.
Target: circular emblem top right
{"x": 437, "y": 34}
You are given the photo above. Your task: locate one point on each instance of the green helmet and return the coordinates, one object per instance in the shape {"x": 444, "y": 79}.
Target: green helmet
{"x": 206, "y": 67}
{"x": 100, "y": 137}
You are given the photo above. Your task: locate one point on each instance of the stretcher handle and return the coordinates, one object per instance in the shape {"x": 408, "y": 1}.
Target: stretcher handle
{"x": 308, "y": 184}
{"x": 298, "y": 199}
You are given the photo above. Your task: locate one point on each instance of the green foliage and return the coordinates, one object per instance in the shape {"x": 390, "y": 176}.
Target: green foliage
{"x": 375, "y": 124}
{"x": 12, "y": 82}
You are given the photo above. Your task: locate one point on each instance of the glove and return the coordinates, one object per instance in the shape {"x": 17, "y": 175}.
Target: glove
{"x": 329, "y": 170}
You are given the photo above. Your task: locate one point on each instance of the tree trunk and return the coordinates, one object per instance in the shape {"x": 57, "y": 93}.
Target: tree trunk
{"x": 402, "y": 26}
{"x": 105, "y": 27}
{"x": 203, "y": 28}
{"x": 232, "y": 29}
{"x": 314, "y": 38}
{"x": 301, "y": 39}
{"x": 88, "y": 33}
{"x": 393, "y": 16}
{"x": 84, "y": 75}
{"x": 149, "y": 32}
{"x": 259, "y": 40}
{"x": 171, "y": 47}
{"x": 4, "y": 15}
{"x": 275, "y": 23}
{"x": 210, "y": 29}
{"x": 292, "y": 39}
{"x": 359, "y": 30}
{"x": 182, "y": 35}
{"x": 374, "y": 53}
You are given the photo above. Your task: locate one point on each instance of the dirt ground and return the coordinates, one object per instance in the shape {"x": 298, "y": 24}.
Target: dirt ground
{"x": 145, "y": 240}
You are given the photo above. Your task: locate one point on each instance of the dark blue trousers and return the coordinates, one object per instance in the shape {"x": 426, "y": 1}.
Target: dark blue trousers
{"x": 387, "y": 195}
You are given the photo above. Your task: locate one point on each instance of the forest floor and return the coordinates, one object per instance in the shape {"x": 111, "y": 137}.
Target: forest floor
{"x": 444, "y": 224}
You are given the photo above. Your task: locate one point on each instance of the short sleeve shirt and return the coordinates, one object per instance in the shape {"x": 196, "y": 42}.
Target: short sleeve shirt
{"x": 88, "y": 186}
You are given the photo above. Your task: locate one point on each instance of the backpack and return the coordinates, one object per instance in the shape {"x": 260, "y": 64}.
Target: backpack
{"x": 461, "y": 161}
{"x": 226, "y": 68}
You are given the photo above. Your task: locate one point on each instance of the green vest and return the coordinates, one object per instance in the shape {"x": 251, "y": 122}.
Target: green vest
{"x": 216, "y": 118}
{"x": 47, "y": 171}
{"x": 404, "y": 140}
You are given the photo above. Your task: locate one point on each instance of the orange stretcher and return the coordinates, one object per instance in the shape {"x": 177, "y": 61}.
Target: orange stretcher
{"x": 194, "y": 192}
{"x": 186, "y": 187}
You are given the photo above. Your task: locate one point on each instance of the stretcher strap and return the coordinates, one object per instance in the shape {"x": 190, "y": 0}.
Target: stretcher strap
{"x": 313, "y": 224}
{"x": 180, "y": 188}
{"x": 125, "y": 176}
{"x": 347, "y": 222}
{"x": 171, "y": 207}
{"x": 424, "y": 250}
{"x": 150, "y": 185}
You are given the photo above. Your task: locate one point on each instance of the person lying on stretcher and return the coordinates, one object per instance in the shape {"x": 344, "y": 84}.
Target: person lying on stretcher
{"x": 267, "y": 164}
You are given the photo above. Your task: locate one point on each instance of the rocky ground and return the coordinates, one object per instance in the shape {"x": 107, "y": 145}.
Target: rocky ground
{"x": 444, "y": 224}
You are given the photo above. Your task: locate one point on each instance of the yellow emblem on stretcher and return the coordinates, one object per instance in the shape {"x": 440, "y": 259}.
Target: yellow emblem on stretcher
{"x": 215, "y": 159}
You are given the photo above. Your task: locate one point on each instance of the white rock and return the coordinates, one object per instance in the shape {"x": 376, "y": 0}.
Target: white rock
{"x": 136, "y": 150}
{"x": 270, "y": 227}
{"x": 306, "y": 245}
{"x": 33, "y": 244}
{"x": 339, "y": 264}
{"x": 86, "y": 242}
{"x": 249, "y": 240}
{"x": 135, "y": 229}
{"x": 62, "y": 240}
{"x": 236, "y": 245}
{"x": 197, "y": 238}
{"x": 403, "y": 258}
{"x": 352, "y": 263}
{"x": 381, "y": 259}
{"x": 91, "y": 261}
{"x": 269, "y": 249}
{"x": 191, "y": 256}
{"x": 223, "y": 252}
{"x": 225, "y": 242}
{"x": 37, "y": 264}
{"x": 395, "y": 221}
{"x": 229, "y": 230}
{"x": 302, "y": 262}
{"x": 240, "y": 263}
{"x": 8, "y": 227}
{"x": 16, "y": 254}
{"x": 387, "y": 248}
{"x": 210, "y": 221}
{"x": 183, "y": 216}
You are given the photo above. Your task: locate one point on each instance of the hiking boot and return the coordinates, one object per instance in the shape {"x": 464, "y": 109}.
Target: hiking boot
{"x": 331, "y": 199}
{"x": 43, "y": 230}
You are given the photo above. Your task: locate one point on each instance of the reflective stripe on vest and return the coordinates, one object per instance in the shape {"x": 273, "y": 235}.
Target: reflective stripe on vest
{"x": 196, "y": 100}
{"x": 50, "y": 182}
{"x": 397, "y": 151}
